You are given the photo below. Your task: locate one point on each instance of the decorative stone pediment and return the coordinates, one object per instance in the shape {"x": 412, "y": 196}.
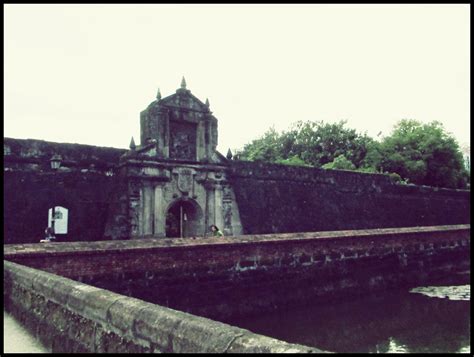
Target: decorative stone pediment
{"x": 179, "y": 127}
{"x": 183, "y": 99}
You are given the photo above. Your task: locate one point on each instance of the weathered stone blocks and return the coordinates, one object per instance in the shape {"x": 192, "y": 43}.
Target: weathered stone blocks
{"x": 95, "y": 320}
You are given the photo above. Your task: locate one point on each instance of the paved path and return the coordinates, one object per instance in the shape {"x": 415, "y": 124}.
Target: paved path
{"x": 16, "y": 339}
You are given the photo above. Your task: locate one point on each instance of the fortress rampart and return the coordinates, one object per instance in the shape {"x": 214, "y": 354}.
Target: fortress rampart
{"x": 268, "y": 198}
{"x": 280, "y": 198}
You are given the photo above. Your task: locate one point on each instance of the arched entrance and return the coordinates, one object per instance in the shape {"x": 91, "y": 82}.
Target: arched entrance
{"x": 184, "y": 219}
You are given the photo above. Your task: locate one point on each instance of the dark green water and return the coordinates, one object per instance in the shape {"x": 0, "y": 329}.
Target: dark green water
{"x": 429, "y": 319}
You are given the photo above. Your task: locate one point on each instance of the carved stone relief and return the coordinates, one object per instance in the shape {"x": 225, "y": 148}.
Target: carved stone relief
{"x": 183, "y": 141}
{"x": 185, "y": 180}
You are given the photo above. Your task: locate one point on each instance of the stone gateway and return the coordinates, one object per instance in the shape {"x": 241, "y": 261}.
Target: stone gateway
{"x": 175, "y": 178}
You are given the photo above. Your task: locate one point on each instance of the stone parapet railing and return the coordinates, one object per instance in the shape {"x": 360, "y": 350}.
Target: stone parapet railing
{"x": 69, "y": 316}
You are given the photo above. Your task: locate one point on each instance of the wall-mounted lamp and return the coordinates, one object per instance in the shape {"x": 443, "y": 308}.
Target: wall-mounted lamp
{"x": 109, "y": 172}
{"x": 56, "y": 161}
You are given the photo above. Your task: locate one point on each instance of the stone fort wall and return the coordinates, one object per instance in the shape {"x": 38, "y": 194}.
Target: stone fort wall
{"x": 280, "y": 198}
{"x": 84, "y": 184}
{"x": 271, "y": 198}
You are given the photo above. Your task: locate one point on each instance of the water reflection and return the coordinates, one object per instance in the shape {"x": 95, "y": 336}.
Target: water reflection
{"x": 461, "y": 292}
{"x": 386, "y": 323}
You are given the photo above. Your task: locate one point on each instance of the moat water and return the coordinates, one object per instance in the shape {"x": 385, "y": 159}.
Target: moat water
{"x": 425, "y": 319}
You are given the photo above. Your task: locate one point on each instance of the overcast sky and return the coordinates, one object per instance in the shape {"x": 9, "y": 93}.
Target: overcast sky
{"x": 82, "y": 73}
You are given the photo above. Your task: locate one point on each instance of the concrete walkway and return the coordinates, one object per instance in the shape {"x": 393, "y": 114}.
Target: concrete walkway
{"x": 16, "y": 339}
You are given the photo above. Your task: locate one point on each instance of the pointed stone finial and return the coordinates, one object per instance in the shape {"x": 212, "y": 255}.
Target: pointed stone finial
{"x": 158, "y": 95}
{"x": 183, "y": 83}
{"x": 229, "y": 154}
{"x": 207, "y": 102}
{"x": 132, "y": 145}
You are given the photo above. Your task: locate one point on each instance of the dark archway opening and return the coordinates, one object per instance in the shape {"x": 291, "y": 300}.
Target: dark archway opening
{"x": 184, "y": 219}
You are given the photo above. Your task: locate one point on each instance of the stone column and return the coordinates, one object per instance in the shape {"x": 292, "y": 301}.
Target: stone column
{"x": 147, "y": 217}
{"x": 200, "y": 142}
{"x": 209, "y": 208}
{"x": 163, "y": 139}
{"x": 219, "y": 219}
{"x": 136, "y": 214}
{"x": 159, "y": 213}
{"x": 227, "y": 210}
{"x": 166, "y": 134}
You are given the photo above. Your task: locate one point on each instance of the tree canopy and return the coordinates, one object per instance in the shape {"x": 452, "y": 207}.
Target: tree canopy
{"x": 418, "y": 153}
{"x": 425, "y": 154}
{"x": 311, "y": 143}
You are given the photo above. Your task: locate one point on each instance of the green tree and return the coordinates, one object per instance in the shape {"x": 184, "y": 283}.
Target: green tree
{"x": 265, "y": 148}
{"x": 423, "y": 154}
{"x": 310, "y": 143}
{"x": 340, "y": 163}
{"x": 294, "y": 160}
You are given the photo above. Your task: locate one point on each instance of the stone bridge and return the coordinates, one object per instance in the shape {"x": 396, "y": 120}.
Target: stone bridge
{"x": 72, "y": 295}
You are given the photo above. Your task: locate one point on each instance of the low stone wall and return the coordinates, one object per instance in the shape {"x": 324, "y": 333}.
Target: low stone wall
{"x": 223, "y": 277}
{"x": 69, "y": 316}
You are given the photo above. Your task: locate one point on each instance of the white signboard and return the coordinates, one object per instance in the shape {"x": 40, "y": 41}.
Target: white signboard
{"x": 60, "y": 219}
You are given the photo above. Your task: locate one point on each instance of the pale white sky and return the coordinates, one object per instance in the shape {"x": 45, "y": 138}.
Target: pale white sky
{"x": 82, "y": 73}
